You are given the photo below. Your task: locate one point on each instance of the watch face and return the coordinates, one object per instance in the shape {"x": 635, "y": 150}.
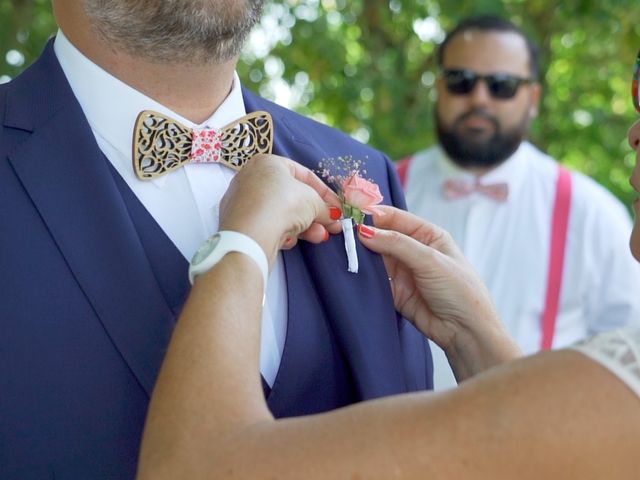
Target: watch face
{"x": 204, "y": 251}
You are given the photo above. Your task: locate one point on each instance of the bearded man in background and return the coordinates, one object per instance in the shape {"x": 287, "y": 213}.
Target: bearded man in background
{"x": 530, "y": 227}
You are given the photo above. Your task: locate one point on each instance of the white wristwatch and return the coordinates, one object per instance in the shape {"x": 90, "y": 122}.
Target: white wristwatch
{"x": 223, "y": 242}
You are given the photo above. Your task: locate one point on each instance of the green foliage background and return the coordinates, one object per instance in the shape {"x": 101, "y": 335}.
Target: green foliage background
{"x": 367, "y": 67}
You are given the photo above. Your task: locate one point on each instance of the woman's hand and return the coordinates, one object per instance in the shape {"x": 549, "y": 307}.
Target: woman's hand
{"x": 276, "y": 201}
{"x": 436, "y": 288}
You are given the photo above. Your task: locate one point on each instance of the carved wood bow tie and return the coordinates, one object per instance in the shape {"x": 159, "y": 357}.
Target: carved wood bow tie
{"x": 161, "y": 144}
{"x": 454, "y": 189}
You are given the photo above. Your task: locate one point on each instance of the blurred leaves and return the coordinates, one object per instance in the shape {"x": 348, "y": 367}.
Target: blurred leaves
{"x": 25, "y": 26}
{"x": 368, "y": 67}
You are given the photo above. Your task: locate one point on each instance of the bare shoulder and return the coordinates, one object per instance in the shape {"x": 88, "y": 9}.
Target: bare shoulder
{"x": 554, "y": 415}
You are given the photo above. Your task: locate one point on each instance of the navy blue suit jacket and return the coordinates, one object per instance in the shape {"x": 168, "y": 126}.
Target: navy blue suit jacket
{"x": 84, "y": 323}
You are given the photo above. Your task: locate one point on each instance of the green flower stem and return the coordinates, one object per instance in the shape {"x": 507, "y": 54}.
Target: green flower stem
{"x": 353, "y": 212}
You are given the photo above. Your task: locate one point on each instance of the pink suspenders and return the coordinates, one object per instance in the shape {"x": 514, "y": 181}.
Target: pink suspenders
{"x": 402, "y": 167}
{"x": 559, "y": 228}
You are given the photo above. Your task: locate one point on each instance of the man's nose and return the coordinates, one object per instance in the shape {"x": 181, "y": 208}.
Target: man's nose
{"x": 480, "y": 95}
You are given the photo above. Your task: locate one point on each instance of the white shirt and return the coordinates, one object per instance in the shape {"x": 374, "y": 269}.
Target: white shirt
{"x": 508, "y": 244}
{"x": 185, "y": 202}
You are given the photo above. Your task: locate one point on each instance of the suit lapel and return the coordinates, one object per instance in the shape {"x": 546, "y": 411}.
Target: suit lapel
{"x": 68, "y": 180}
{"x": 367, "y": 329}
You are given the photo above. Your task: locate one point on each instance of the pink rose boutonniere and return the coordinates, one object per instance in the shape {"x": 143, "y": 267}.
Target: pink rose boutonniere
{"x": 359, "y": 198}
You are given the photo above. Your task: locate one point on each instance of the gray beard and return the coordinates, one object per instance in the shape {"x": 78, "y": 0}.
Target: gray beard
{"x": 175, "y": 31}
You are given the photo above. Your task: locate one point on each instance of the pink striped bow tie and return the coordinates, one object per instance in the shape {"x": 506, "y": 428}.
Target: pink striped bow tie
{"x": 454, "y": 189}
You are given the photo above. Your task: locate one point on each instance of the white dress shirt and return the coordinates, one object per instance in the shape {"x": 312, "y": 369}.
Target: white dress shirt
{"x": 508, "y": 244}
{"x": 185, "y": 202}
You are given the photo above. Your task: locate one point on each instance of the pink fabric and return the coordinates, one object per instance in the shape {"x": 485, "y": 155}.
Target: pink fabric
{"x": 559, "y": 226}
{"x": 402, "y": 167}
{"x": 206, "y": 146}
{"x": 454, "y": 189}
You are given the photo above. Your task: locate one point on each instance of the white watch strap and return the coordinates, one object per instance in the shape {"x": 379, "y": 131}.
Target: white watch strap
{"x": 235, "y": 242}
{"x": 247, "y": 245}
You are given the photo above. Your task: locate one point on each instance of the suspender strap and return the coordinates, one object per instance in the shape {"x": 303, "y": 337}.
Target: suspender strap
{"x": 403, "y": 167}
{"x": 561, "y": 209}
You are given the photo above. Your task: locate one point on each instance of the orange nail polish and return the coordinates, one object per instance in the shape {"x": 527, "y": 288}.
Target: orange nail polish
{"x": 366, "y": 231}
{"x": 335, "y": 213}
{"x": 326, "y": 235}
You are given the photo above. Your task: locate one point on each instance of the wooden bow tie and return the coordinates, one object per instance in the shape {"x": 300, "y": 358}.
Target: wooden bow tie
{"x": 161, "y": 145}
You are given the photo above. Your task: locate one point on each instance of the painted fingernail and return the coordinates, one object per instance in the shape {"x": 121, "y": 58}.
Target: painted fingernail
{"x": 366, "y": 231}
{"x": 335, "y": 213}
{"x": 326, "y": 235}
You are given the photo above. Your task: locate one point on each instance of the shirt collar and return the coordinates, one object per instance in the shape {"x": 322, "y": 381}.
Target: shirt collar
{"x": 111, "y": 106}
{"x": 511, "y": 171}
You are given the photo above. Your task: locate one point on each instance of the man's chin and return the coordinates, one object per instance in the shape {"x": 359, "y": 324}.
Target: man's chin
{"x": 477, "y": 143}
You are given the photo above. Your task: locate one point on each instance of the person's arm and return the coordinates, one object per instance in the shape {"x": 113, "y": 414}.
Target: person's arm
{"x": 556, "y": 415}
{"x": 209, "y": 385}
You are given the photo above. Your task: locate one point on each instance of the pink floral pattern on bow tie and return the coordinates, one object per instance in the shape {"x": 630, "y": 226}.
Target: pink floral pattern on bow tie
{"x": 206, "y": 147}
{"x": 454, "y": 189}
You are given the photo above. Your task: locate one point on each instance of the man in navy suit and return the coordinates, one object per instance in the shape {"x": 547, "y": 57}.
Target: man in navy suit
{"x": 93, "y": 261}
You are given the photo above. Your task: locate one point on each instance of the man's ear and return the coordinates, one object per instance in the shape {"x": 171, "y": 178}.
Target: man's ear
{"x": 536, "y": 94}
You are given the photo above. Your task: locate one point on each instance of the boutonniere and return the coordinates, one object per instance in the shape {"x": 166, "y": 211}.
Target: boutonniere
{"x": 358, "y": 195}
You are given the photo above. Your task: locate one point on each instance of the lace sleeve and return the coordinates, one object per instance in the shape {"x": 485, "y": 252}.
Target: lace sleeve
{"x": 619, "y": 351}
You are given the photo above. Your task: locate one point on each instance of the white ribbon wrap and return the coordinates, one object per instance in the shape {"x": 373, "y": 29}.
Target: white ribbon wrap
{"x": 350, "y": 245}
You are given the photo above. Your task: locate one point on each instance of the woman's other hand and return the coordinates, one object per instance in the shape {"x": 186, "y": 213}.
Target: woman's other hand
{"x": 437, "y": 289}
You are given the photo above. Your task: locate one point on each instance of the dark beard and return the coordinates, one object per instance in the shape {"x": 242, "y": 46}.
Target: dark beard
{"x": 466, "y": 152}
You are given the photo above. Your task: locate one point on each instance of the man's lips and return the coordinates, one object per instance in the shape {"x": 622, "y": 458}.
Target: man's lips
{"x": 477, "y": 122}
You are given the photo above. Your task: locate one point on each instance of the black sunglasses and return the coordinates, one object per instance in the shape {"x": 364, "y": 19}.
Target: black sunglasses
{"x": 500, "y": 85}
